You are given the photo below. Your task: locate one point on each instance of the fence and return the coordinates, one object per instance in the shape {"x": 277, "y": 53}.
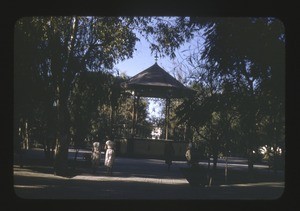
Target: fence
{"x": 151, "y": 148}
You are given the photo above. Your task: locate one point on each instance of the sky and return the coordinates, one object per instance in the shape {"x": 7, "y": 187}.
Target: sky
{"x": 142, "y": 59}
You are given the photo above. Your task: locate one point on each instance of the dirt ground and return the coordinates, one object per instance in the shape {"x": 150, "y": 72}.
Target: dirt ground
{"x": 140, "y": 178}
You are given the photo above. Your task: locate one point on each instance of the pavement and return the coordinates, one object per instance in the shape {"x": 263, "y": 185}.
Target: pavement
{"x": 139, "y": 178}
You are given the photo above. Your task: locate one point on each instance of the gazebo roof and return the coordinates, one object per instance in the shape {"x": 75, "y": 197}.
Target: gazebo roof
{"x": 156, "y": 82}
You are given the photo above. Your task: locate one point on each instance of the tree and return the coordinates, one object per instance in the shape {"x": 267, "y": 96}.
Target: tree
{"x": 247, "y": 53}
{"x": 64, "y": 46}
{"x": 50, "y": 51}
{"x": 90, "y": 91}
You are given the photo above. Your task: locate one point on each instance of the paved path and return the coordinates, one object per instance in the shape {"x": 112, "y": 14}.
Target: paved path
{"x": 134, "y": 179}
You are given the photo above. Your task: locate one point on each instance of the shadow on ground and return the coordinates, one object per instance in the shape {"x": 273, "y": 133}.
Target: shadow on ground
{"x": 208, "y": 177}
{"x": 51, "y": 187}
{"x": 140, "y": 179}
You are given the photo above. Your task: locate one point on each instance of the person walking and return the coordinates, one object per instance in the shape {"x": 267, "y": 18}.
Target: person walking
{"x": 96, "y": 155}
{"x": 109, "y": 155}
{"x": 188, "y": 155}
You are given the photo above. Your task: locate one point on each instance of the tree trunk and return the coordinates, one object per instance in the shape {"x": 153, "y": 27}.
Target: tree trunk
{"x": 167, "y": 118}
{"x": 133, "y": 130}
{"x": 215, "y": 154}
{"x": 215, "y": 160}
{"x": 62, "y": 145}
{"x": 24, "y": 134}
{"x": 250, "y": 160}
{"x": 76, "y": 154}
{"x": 226, "y": 169}
{"x": 63, "y": 80}
{"x": 48, "y": 148}
{"x": 251, "y": 147}
{"x": 61, "y": 156}
{"x": 46, "y": 151}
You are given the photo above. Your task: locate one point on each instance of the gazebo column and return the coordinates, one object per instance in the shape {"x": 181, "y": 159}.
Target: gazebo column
{"x": 167, "y": 117}
{"x": 136, "y": 114}
{"x": 136, "y": 100}
{"x": 133, "y": 116}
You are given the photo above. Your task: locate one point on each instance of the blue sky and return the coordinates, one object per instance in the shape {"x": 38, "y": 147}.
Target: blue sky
{"x": 142, "y": 59}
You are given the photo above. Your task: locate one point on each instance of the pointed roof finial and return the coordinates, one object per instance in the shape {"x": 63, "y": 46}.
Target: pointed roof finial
{"x": 156, "y": 57}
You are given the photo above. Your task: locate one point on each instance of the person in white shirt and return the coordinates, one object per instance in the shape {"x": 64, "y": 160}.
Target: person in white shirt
{"x": 109, "y": 155}
{"x": 96, "y": 156}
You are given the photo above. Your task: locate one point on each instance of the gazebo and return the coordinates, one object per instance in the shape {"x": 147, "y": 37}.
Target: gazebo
{"x": 155, "y": 82}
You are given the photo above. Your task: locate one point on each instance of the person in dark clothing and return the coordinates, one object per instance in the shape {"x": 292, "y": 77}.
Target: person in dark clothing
{"x": 169, "y": 153}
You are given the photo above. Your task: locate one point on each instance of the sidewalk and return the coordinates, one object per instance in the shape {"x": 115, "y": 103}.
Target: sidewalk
{"x": 134, "y": 179}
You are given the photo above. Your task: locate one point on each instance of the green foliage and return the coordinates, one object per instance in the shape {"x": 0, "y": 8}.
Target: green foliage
{"x": 90, "y": 90}
{"x": 238, "y": 73}
{"x": 235, "y": 73}
{"x": 49, "y": 51}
